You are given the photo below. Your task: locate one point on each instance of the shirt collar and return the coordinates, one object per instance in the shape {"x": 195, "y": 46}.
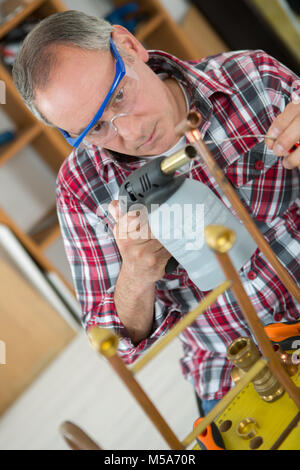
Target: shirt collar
{"x": 198, "y": 85}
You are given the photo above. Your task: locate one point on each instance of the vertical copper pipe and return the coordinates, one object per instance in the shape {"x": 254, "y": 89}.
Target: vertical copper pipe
{"x": 194, "y": 136}
{"x": 106, "y": 343}
{"x": 144, "y": 401}
{"x": 257, "y": 327}
{"x": 76, "y": 438}
{"x": 286, "y": 432}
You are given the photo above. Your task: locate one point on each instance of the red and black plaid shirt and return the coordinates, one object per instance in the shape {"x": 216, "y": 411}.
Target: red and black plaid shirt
{"x": 237, "y": 94}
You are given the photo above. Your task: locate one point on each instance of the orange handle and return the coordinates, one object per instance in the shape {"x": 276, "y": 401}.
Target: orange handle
{"x": 210, "y": 438}
{"x": 281, "y": 331}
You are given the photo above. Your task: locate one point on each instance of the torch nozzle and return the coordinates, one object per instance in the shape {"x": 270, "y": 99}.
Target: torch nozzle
{"x": 172, "y": 163}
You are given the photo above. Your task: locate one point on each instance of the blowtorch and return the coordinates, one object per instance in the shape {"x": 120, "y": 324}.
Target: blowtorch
{"x": 178, "y": 210}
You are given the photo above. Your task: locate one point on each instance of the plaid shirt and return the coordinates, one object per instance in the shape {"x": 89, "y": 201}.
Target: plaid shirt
{"x": 236, "y": 93}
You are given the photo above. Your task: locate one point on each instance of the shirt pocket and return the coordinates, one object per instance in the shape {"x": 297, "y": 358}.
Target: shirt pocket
{"x": 251, "y": 165}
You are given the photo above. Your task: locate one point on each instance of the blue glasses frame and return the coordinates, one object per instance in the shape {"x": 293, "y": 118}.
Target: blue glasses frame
{"x": 120, "y": 72}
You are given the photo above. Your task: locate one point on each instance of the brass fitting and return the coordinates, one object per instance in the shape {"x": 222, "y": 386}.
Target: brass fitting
{"x": 104, "y": 341}
{"x": 243, "y": 353}
{"x": 247, "y": 428}
{"x": 236, "y": 374}
{"x": 219, "y": 238}
{"x": 286, "y": 360}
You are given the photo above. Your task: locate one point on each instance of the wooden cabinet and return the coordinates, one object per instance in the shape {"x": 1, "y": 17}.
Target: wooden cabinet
{"x": 33, "y": 332}
{"x": 46, "y": 141}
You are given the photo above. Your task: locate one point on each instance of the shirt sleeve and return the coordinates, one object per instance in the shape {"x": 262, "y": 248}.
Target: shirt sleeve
{"x": 279, "y": 81}
{"x": 95, "y": 263}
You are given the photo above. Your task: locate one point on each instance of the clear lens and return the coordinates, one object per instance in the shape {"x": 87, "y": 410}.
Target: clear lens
{"x": 121, "y": 104}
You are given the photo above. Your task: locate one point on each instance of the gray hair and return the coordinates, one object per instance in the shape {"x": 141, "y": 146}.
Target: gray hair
{"x": 37, "y": 58}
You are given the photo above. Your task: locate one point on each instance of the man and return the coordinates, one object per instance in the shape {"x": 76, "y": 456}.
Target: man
{"x": 69, "y": 65}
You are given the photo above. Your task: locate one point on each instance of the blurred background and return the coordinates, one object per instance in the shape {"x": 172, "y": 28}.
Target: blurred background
{"x": 48, "y": 372}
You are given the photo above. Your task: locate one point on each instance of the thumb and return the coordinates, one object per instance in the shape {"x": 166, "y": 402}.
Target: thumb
{"x": 114, "y": 209}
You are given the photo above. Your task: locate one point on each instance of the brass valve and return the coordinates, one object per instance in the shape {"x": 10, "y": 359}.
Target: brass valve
{"x": 243, "y": 353}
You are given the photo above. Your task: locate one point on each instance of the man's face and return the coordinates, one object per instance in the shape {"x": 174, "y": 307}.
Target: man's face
{"x": 80, "y": 83}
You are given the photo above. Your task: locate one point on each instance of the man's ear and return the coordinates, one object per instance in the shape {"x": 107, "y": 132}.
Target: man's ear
{"x": 123, "y": 38}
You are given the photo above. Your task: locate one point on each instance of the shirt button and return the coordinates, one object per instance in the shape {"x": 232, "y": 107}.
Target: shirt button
{"x": 278, "y": 317}
{"x": 252, "y": 275}
{"x": 259, "y": 165}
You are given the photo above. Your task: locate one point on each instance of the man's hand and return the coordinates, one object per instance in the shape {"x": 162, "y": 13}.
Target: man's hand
{"x": 286, "y": 130}
{"x": 143, "y": 257}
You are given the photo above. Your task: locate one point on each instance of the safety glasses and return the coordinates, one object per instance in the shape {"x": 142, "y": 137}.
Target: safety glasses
{"x": 120, "y": 72}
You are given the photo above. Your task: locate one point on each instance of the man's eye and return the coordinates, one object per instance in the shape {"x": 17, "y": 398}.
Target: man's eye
{"x": 119, "y": 96}
{"x": 96, "y": 128}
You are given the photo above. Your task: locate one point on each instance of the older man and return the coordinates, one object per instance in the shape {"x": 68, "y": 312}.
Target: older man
{"x": 118, "y": 105}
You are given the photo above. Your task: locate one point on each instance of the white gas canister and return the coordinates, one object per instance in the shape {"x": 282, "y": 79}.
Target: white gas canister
{"x": 179, "y": 225}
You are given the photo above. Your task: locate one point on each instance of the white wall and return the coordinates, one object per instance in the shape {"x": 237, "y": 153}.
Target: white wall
{"x": 176, "y": 8}
{"x": 92, "y": 7}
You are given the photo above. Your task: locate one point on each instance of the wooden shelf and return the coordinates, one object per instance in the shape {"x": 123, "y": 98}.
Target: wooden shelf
{"x": 14, "y": 106}
{"x": 32, "y": 248}
{"x": 23, "y": 138}
{"x": 147, "y": 28}
{"x": 19, "y": 17}
{"x": 53, "y": 148}
{"x": 46, "y": 230}
{"x": 195, "y": 26}
{"x": 48, "y": 142}
{"x": 160, "y": 31}
{"x": 48, "y": 236}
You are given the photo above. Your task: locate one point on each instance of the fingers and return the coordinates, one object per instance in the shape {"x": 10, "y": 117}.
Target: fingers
{"x": 286, "y": 133}
{"x": 142, "y": 254}
{"x": 292, "y": 160}
{"x": 132, "y": 226}
{"x": 285, "y": 129}
{"x": 128, "y": 224}
{"x": 114, "y": 209}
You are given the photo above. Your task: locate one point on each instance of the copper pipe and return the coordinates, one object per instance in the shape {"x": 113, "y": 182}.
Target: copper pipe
{"x": 189, "y": 318}
{"x": 192, "y": 121}
{"x": 76, "y": 438}
{"x": 286, "y": 432}
{"x": 106, "y": 343}
{"x": 194, "y": 136}
{"x": 144, "y": 401}
{"x": 286, "y": 360}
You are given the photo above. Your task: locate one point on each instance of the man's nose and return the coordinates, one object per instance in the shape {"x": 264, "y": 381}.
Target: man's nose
{"x": 127, "y": 127}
